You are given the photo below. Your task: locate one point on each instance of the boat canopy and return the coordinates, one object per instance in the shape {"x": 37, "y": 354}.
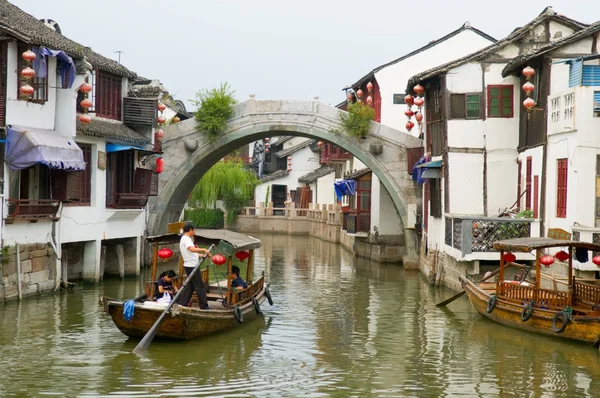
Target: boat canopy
{"x": 529, "y": 244}
{"x": 237, "y": 240}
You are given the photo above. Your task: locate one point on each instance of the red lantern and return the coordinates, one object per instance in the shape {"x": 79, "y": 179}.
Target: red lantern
{"x": 289, "y": 169}
{"x": 369, "y": 100}
{"x": 85, "y": 88}
{"x": 161, "y": 120}
{"x": 86, "y": 103}
{"x": 85, "y": 118}
{"x": 176, "y": 119}
{"x": 529, "y": 103}
{"x": 409, "y": 100}
{"x": 528, "y": 72}
{"x": 161, "y": 107}
{"x": 242, "y": 255}
{"x": 409, "y": 125}
{"x": 418, "y": 89}
{"x": 267, "y": 139}
{"x": 562, "y": 255}
{"x": 28, "y": 73}
{"x": 359, "y": 93}
{"x": 409, "y": 113}
{"x": 165, "y": 253}
{"x": 218, "y": 259}
{"x": 419, "y": 101}
{"x": 267, "y": 150}
{"x": 26, "y": 89}
{"x": 419, "y": 117}
{"x": 160, "y": 134}
{"x": 528, "y": 88}
{"x": 547, "y": 260}
{"x": 267, "y": 145}
{"x": 28, "y": 55}
{"x": 320, "y": 144}
{"x": 509, "y": 257}
{"x": 289, "y": 158}
{"x": 160, "y": 164}
{"x": 369, "y": 86}
{"x": 349, "y": 97}
{"x": 596, "y": 260}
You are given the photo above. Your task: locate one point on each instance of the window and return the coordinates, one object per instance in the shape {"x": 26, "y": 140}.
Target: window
{"x": 561, "y": 188}
{"x": 465, "y": 106}
{"x": 39, "y": 84}
{"x": 435, "y": 194}
{"x": 363, "y": 193}
{"x": 282, "y": 163}
{"x": 528, "y": 183}
{"x": 126, "y": 186}
{"x": 108, "y": 95}
{"x": 500, "y": 101}
{"x": 74, "y": 187}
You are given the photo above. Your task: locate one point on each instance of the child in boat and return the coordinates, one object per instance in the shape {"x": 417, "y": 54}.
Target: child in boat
{"x": 165, "y": 284}
{"x": 237, "y": 282}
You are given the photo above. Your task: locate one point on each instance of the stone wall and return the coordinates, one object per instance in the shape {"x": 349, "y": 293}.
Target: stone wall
{"x": 38, "y": 264}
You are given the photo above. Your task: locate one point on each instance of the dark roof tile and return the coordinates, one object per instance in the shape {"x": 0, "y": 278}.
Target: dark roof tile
{"x": 316, "y": 174}
{"x": 111, "y": 130}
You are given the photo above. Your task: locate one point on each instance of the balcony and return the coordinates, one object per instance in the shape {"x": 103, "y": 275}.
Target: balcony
{"x": 32, "y": 210}
{"x": 333, "y": 153}
{"x": 575, "y": 109}
{"x": 472, "y": 237}
{"x": 127, "y": 200}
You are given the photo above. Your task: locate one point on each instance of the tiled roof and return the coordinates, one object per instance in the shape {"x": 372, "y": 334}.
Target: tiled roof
{"x": 295, "y": 148}
{"x": 273, "y": 176}
{"x": 547, "y": 14}
{"x": 111, "y": 130}
{"x": 357, "y": 174}
{"x": 316, "y": 174}
{"x": 519, "y": 61}
{"x": 29, "y": 29}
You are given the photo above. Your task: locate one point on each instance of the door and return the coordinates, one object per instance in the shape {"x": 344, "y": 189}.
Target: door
{"x": 278, "y": 195}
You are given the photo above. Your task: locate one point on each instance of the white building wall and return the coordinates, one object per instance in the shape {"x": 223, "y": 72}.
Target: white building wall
{"x": 323, "y": 192}
{"x": 384, "y": 215}
{"x": 392, "y": 79}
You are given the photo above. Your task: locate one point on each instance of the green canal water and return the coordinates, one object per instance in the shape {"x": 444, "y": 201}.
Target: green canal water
{"x": 340, "y": 327}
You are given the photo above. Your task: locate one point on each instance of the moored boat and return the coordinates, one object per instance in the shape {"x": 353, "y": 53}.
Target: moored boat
{"x": 569, "y": 313}
{"x": 229, "y": 307}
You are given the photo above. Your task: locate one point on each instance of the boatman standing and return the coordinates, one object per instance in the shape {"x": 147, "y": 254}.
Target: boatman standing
{"x": 190, "y": 254}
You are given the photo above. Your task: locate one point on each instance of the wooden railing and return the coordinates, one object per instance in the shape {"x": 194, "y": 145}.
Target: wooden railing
{"x": 33, "y": 209}
{"x": 549, "y": 298}
{"x": 240, "y": 296}
{"x": 587, "y": 293}
{"x": 178, "y": 281}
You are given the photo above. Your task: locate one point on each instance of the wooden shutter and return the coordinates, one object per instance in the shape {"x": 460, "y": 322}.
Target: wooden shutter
{"x": 536, "y": 196}
{"x": 142, "y": 182}
{"x": 59, "y": 184}
{"x": 458, "y": 106}
{"x": 561, "y": 189}
{"x": 412, "y": 156}
{"x": 74, "y": 186}
{"x": 436, "y": 197}
{"x": 154, "y": 184}
{"x": 519, "y": 192}
{"x": 528, "y": 183}
{"x": 3, "y": 68}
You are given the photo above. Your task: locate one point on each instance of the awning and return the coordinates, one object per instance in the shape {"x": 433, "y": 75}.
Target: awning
{"x": 26, "y": 147}
{"x": 431, "y": 173}
{"x": 344, "y": 188}
{"x": 117, "y": 148}
{"x": 430, "y": 165}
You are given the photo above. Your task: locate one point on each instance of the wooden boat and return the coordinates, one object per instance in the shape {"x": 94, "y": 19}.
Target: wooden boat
{"x": 228, "y": 307}
{"x": 570, "y": 313}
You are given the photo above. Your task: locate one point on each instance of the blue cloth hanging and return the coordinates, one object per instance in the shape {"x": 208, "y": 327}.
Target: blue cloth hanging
{"x": 417, "y": 173}
{"x": 344, "y": 188}
{"x": 128, "y": 310}
{"x": 64, "y": 66}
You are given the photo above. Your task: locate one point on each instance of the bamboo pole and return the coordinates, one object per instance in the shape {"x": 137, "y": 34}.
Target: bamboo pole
{"x": 538, "y": 274}
{"x": 571, "y": 279}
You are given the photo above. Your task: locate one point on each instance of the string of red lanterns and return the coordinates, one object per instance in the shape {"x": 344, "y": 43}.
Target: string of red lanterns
{"x": 28, "y": 73}
{"x": 86, "y": 103}
{"x": 289, "y": 159}
{"x": 417, "y": 101}
{"x": 528, "y": 88}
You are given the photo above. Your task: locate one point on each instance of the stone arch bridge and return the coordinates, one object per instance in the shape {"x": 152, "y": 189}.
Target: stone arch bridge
{"x": 188, "y": 154}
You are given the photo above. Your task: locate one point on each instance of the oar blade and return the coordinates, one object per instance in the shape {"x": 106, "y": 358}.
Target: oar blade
{"x": 451, "y": 299}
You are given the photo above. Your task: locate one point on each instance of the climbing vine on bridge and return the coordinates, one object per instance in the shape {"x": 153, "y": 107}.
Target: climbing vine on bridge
{"x": 357, "y": 121}
{"x": 215, "y": 107}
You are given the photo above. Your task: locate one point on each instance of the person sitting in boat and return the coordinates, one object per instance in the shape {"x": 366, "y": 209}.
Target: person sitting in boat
{"x": 164, "y": 284}
{"x": 237, "y": 282}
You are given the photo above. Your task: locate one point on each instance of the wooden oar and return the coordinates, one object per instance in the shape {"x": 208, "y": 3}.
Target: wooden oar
{"x": 451, "y": 299}
{"x": 145, "y": 343}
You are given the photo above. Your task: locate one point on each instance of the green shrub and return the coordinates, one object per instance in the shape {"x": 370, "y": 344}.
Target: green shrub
{"x": 357, "y": 121}
{"x": 206, "y": 218}
{"x": 215, "y": 107}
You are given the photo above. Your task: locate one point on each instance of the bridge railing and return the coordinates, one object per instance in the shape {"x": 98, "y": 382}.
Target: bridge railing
{"x": 324, "y": 213}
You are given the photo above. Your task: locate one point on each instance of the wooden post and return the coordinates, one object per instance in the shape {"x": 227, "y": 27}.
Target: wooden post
{"x": 64, "y": 263}
{"x": 180, "y": 266}
{"x": 229, "y": 295}
{"x": 571, "y": 279}
{"x": 154, "y": 257}
{"x": 501, "y": 273}
{"x": 250, "y": 265}
{"x": 538, "y": 274}
{"x": 121, "y": 261}
{"x": 102, "y": 261}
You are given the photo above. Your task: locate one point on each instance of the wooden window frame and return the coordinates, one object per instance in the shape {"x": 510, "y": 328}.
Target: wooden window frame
{"x": 108, "y": 99}
{"x": 39, "y": 84}
{"x": 528, "y": 182}
{"x": 562, "y": 185}
{"x": 466, "y": 117}
{"x": 500, "y": 97}
{"x": 435, "y": 197}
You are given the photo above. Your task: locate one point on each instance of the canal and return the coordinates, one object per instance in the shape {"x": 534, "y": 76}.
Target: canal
{"x": 340, "y": 327}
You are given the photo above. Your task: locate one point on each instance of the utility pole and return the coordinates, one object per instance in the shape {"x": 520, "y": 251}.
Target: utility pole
{"x": 119, "y": 52}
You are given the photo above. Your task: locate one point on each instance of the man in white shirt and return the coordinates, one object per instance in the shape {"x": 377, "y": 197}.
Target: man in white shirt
{"x": 190, "y": 254}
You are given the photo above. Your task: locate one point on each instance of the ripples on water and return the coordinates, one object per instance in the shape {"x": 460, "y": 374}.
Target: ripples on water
{"x": 339, "y": 327}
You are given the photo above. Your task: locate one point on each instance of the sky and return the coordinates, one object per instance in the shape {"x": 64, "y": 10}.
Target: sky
{"x": 277, "y": 49}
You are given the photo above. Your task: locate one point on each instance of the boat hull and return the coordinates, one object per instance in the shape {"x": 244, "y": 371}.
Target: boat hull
{"x": 586, "y": 329}
{"x": 181, "y": 323}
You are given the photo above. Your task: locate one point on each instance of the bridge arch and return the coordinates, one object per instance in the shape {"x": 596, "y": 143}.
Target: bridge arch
{"x": 188, "y": 154}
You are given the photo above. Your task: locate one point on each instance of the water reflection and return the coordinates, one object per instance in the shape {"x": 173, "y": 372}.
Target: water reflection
{"x": 340, "y": 326}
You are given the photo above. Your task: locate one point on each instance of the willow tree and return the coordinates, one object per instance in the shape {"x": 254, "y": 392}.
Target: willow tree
{"x": 228, "y": 180}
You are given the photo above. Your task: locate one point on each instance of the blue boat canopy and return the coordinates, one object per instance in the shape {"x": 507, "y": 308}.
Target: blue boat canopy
{"x": 26, "y": 147}
{"x": 118, "y": 148}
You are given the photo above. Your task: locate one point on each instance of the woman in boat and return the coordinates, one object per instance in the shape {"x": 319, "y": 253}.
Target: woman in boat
{"x": 165, "y": 284}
